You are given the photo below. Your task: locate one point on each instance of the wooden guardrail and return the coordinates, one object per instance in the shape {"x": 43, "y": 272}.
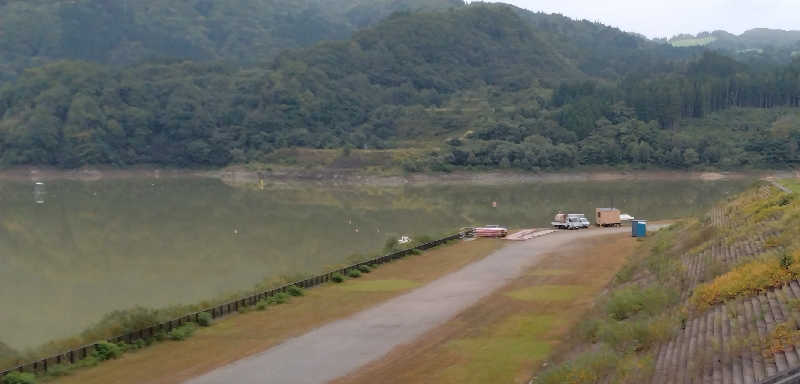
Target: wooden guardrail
{"x": 74, "y": 355}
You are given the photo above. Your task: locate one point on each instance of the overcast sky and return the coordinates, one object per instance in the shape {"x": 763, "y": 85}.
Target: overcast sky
{"x": 669, "y": 18}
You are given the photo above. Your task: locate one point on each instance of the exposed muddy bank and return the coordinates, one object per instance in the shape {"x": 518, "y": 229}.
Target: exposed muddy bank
{"x": 329, "y": 177}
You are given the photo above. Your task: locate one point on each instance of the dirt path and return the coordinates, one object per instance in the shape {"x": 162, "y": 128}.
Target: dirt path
{"x": 338, "y": 348}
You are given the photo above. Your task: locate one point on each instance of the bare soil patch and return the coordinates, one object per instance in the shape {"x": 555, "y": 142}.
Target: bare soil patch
{"x": 353, "y": 175}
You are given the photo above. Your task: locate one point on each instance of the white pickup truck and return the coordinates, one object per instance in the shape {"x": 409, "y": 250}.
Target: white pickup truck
{"x": 570, "y": 221}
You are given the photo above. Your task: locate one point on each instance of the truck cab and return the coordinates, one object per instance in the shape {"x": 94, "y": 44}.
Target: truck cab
{"x": 570, "y": 221}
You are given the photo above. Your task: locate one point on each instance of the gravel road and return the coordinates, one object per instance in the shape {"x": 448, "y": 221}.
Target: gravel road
{"x": 335, "y": 349}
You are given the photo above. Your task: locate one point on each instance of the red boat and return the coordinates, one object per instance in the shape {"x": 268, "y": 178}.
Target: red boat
{"x": 491, "y": 231}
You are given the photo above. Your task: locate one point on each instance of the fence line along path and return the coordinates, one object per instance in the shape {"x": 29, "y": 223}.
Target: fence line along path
{"x": 74, "y": 355}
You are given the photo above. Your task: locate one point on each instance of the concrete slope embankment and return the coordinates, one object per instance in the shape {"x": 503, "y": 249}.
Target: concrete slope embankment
{"x": 338, "y": 348}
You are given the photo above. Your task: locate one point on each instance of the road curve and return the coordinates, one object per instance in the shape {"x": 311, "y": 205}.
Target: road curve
{"x": 337, "y": 348}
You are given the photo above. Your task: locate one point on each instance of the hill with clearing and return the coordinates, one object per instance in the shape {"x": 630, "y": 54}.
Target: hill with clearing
{"x": 477, "y": 86}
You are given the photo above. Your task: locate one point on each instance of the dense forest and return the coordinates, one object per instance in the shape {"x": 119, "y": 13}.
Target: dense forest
{"x": 120, "y": 32}
{"x": 480, "y": 86}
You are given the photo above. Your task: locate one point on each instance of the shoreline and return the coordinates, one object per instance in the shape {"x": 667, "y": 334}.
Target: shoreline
{"x": 237, "y": 176}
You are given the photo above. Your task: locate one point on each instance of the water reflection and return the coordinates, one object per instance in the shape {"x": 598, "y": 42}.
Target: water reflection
{"x": 39, "y": 192}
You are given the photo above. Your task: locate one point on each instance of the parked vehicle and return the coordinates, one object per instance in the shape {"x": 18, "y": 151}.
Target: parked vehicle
{"x": 570, "y": 221}
{"x": 608, "y": 217}
{"x": 491, "y": 231}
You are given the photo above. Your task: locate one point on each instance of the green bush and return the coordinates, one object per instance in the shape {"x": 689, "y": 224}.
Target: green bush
{"x": 19, "y": 378}
{"x": 105, "y": 351}
{"x": 627, "y": 302}
{"x": 278, "y": 298}
{"x": 337, "y": 278}
{"x": 295, "y": 291}
{"x": 786, "y": 259}
{"x": 588, "y": 368}
{"x": 262, "y": 305}
{"x": 58, "y": 370}
{"x": 354, "y": 273}
{"x": 204, "y": 319}
{"x": 124, "y": 347}
{"x": 126, "y": 321}
{"x": 89, "y": 361}
{"x": 636, "y": 335}
{"x": 160, "y": 336}
{"x": 244, "y": 309}
{"x": 364, "y": 269}
{"x": 625, "y": 274}
{"x": 587, "y": 328}
{"x": 183, "y": 332}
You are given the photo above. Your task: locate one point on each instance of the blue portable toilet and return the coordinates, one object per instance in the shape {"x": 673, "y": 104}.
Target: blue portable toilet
{"x": 639, "y": 228}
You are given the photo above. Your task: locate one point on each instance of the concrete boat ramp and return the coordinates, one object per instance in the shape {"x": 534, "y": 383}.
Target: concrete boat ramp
{"x": 528, "y": 234}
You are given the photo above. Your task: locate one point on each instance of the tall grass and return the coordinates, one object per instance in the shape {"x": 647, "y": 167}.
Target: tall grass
{"x": 638, "y": 313}
{"x": 627, "y": 302}
{"x": 588, "y": 368}
{"x": 769, "y": 271}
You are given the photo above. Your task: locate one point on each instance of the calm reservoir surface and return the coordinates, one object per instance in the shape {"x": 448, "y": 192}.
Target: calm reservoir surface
{"x": 94, "y": 247}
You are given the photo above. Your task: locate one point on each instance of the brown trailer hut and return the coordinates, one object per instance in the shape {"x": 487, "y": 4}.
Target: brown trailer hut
{"x": 608, "y": 217}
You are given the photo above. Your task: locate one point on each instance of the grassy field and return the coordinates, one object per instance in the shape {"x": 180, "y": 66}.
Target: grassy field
{"x": 246, "y": 334}
{"x": 699, "y": 42}
{"x": 793, "y": 184}
{"x": 509, "y": 334}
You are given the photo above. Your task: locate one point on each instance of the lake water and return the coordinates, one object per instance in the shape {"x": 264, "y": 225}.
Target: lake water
{"x": 72, "y": 251}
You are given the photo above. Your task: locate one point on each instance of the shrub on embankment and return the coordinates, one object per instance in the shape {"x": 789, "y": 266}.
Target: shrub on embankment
{"x": 680, "y": 272}
{"x": 770, "y": 271}
{"x": 337, "y": 278}
{"x": 19, "y": 378}
{"x": 106, "y": 351}
{"x": 762, "y": 210}
{"x": 183, "y": 332}
{"x": 639, "y": 312}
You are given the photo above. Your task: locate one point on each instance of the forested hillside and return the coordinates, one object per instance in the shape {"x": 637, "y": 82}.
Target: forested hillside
{"x": 34, "y": 32}
{"x": 479, "y": 86}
